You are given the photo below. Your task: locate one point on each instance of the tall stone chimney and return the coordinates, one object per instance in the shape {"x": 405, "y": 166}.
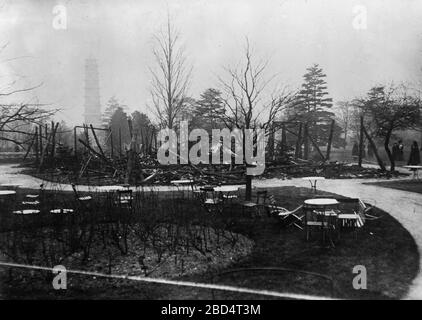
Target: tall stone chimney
{"x": 92, "y": 113}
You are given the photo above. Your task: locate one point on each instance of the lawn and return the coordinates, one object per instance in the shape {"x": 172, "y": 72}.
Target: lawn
{"x": 274, "y": 262}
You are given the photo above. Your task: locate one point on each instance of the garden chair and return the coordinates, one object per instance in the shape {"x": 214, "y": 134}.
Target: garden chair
{"x": 38, "y": 196}
{"x": 286, "y": 216}
{"x": 124, "y": 199}
{"x": 352, "y": 217}
{"x": 258, "y": 205}
{"x": 196, "y": 191}
{"x": 83, "y": 201}
{"x": 364, "y": 210}
{"x": 211, "y": 200}
{"x": 321, "y": 221}
{"x": 33, "y": 201}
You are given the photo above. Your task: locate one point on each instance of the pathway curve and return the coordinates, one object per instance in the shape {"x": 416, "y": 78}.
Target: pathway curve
{"x": 404, "y": 206}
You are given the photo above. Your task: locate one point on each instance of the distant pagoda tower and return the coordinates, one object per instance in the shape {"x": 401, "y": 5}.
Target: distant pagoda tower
{"x": 92, "y": 113}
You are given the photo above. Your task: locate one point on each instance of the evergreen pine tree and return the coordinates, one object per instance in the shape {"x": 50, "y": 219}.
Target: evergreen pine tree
{"x": 313, "y": 106}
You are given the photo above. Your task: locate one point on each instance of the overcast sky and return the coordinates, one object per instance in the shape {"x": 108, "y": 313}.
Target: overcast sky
{"x": 292, "y": 34}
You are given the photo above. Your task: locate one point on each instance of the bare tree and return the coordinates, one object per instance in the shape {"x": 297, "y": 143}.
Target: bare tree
{"x": 246, "y": 102}
{"x": 170, "y": 80}
{"x": 391, "y": 108}
{"x": 344, "y": 116}
{"x": 14, "y": 119}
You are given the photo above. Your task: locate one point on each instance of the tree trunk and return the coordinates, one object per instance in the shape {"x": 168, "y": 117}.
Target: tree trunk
{"x": 388, "y": 151}
{"x": 75, "y": 141}
{"x": 248, "y": 192}
{"x": 298, "y": 151}
{"x": 330, "y": 140}
{"x": 360, "y": 142}
{"x": 271, "y": 144}
{"x": 130, "y": 155}
{"x": 283, "y": 139}
{"x": 110, "y": 132}
{"x": 120, "y": 142}
{"x": 53, "y": 144}
{"x": 37, "y": 158}
{"x": 306, "y": 142}
{"x": 374, "y": 148}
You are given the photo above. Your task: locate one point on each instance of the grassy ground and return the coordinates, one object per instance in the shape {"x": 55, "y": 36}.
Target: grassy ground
{"x": 406, "y": 185}
{"x": 383, "y": 246}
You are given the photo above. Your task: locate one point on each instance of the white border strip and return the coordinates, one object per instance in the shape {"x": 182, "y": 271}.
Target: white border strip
{"x": 177, "y": 283}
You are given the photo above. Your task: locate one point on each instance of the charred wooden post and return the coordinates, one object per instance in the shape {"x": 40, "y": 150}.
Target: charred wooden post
{"x": 53, "y": 145}
{"x": 29, "y": 147}
{"x": 44, "y": 151}
{"x": 96, "y": 141}
{"x": 130, "y": 155}
{"x": 47, "y": 151}
{"x": 37, "y": 159}
{"x": 40, "y": 136}
{"x": 248, "y": 191}
{"x": 316, "y": 147}
{"x": 86, "y": 133}
{"x": 374, "y": 148}
{"x": 90, "y": 149}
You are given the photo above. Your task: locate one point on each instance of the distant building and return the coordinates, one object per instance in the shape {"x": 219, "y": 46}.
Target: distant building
{"x": 92, "y": 106}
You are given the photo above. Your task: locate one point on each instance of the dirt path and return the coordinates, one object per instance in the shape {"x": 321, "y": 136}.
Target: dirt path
{"x": 406, "y": 207}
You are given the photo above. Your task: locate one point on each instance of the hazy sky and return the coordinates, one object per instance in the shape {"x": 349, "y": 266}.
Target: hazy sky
{"x": 292, "y": 34}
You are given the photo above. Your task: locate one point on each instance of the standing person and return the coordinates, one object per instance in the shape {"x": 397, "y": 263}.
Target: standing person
{"x": 370, "y": 151}
{"x": 400, "y": 151}
{"x": 395, "y": 151}
{"x": 414, "y": 158}
{"x": 355, "y": 150}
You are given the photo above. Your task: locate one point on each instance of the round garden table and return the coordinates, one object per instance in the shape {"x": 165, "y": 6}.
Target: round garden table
{"x": 5, "y": 193}
{"x": 26, "y": 211}
{"x": 228, "y": 193}
{"x": 326, "y": 219}
{"x": 58, "y": 211}
{"x": 111, "y": 188}
{"x": 226, "y": 189}
{"x": 183, "y": 185}
{"x": 321, "y": 202}
{"x": 179, "y": 183}
{"x": 313, "y": 181}
{"x": 415, "y": 170}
